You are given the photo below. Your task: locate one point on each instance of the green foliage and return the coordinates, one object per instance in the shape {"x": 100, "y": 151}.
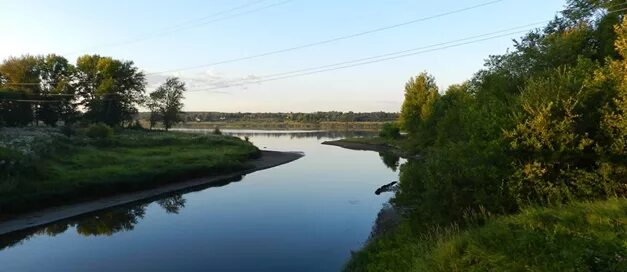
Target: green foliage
{"x": 62, "y": 169}
{"x": 421, "y": 93}
{"x": 544, "y": 124}
{"x": 165, "y": 103}
{"x": 390, "y": 160}
{"x": 50, "y": 89}
{"x": 67, "y": 130}
{"x": 586, "y": 236}
{"x": 13, "y": 112}
{"x": 58, "y": 93}
{"x": 390, "y": 131}
{"x": 110, "y": 88}
{"x": 45, "y": 84}
{"x": 99, "y": 131}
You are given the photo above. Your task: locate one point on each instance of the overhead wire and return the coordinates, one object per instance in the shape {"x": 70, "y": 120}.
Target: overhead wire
{"x": 327, "y": 41}
{"x": 188, "y": 25}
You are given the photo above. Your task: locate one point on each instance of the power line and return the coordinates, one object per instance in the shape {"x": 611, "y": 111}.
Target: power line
{"x": 379, "y": 58}
{"x": 387, "y": 54}
{"x": 363, "y": 63}
{"x": 369, "y": 60}
{"x": 360, "y": 61}
{"x": 354, "y": 35}
{"x": 245, "y": 5}
{"x": 189, "y": 26}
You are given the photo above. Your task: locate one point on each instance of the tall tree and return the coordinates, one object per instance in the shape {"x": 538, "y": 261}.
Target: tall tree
{"x": 167, "y": 102}
{"x": 57, "y": 90}
{"x": 20, "y": 83}
{"x": 110, "y": 89}
{"x": 421, "y": 93}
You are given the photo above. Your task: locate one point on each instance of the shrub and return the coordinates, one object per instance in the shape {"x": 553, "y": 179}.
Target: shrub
{"x": 68, "y": 131}
{"x": 136, "y": 126}
{"x": 99, "y": 131}
{"x": 390, "y": 131}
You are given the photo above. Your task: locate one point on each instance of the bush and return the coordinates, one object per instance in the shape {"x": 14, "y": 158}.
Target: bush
{"x": 582, "y": 236}
{"x": 68, "y": 131}
{"x": 136, "y": 126}
{"x": 390, "y": 131}
{"x": 99, "y": 131}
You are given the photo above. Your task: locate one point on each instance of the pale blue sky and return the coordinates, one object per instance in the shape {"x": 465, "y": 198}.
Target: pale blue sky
{"x": 72, "y": 27}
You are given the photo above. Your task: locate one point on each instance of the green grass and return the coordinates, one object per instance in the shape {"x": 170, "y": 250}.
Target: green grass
{"x": 81, "y": 168}
{"x": 590, "y": 236}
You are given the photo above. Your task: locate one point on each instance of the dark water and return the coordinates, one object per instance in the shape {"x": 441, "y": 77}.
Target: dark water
{"x": 303, "y": 216}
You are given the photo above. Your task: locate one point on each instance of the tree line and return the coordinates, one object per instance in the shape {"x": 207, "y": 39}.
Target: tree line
{"x": 545, "y": 123}
{"x": 96, "y": 89}
{"x": 314, "y": 117}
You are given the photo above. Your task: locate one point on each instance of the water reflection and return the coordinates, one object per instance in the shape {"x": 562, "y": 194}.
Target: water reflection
{"x": 111, "y": 221}
{"x": 105, "y": 223}
{"x": 172, "y": 204}
{"x": 305, "y": 216}
{"x": 390, "y": 160}
{"x": 102, "y": 224}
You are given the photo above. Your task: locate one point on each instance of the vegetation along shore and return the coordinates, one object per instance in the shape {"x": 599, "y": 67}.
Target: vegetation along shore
{"x": 43, "y": 167}
{"x": 68, "y": 133}
{"x": 523, "y": 167}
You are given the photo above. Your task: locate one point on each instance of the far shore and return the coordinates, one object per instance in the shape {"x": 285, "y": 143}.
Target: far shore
{"x": 268, "y": 159}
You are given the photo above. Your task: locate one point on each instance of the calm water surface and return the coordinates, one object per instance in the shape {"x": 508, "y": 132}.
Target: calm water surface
{"x": 303, "y": 216}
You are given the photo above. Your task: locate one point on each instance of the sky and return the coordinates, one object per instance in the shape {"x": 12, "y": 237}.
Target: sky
{"x": 167, "y": 38}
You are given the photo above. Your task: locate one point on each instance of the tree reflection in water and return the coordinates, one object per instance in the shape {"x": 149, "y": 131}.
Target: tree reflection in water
{"x": 390, "y": 160}
{"x": 172, "y": 204}
{"x": 104, "y": 223}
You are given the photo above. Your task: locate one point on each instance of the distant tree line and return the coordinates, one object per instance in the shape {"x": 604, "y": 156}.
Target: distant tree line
{"x": 96, "y": 89}
{"x": 330, "y": 116}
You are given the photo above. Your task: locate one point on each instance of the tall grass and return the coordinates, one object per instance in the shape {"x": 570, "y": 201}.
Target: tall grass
{"x": 585, "y": 236}
{"x": 84, "y": 168}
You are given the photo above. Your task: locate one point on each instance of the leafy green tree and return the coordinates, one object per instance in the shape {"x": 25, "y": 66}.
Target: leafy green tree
{"x": 13, "y": 111}
{"x": 110, "y": 89}
{"x": 421, "y": 92}
{"x": 167, "y": 103}
{"x": 21, "y": 84}
{"x": 390, "y": 131}
{"x": 58, "y": 93}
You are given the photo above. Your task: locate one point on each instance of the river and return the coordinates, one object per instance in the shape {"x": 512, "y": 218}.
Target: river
{"x": 307, "y": 215}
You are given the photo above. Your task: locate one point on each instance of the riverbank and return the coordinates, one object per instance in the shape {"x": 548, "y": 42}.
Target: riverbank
{"x": 584, "y": 236}
{"x": 267, "y": 159}
{"x": 376, "y": 144}
{"x": 44, "y": 167}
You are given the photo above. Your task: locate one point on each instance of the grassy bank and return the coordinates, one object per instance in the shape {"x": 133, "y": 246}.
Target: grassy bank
{"x": 585, "y": 236}
{"x": 42, "y": 167}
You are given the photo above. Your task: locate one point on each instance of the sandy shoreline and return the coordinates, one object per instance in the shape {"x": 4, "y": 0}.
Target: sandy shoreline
{"x": 267, "y": 160}
{"x": 370, "y": 147}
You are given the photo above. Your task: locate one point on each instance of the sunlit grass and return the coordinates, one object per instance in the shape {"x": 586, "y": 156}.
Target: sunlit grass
{"x": 84, "y": 168}
{"x": 589, "y": 236}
